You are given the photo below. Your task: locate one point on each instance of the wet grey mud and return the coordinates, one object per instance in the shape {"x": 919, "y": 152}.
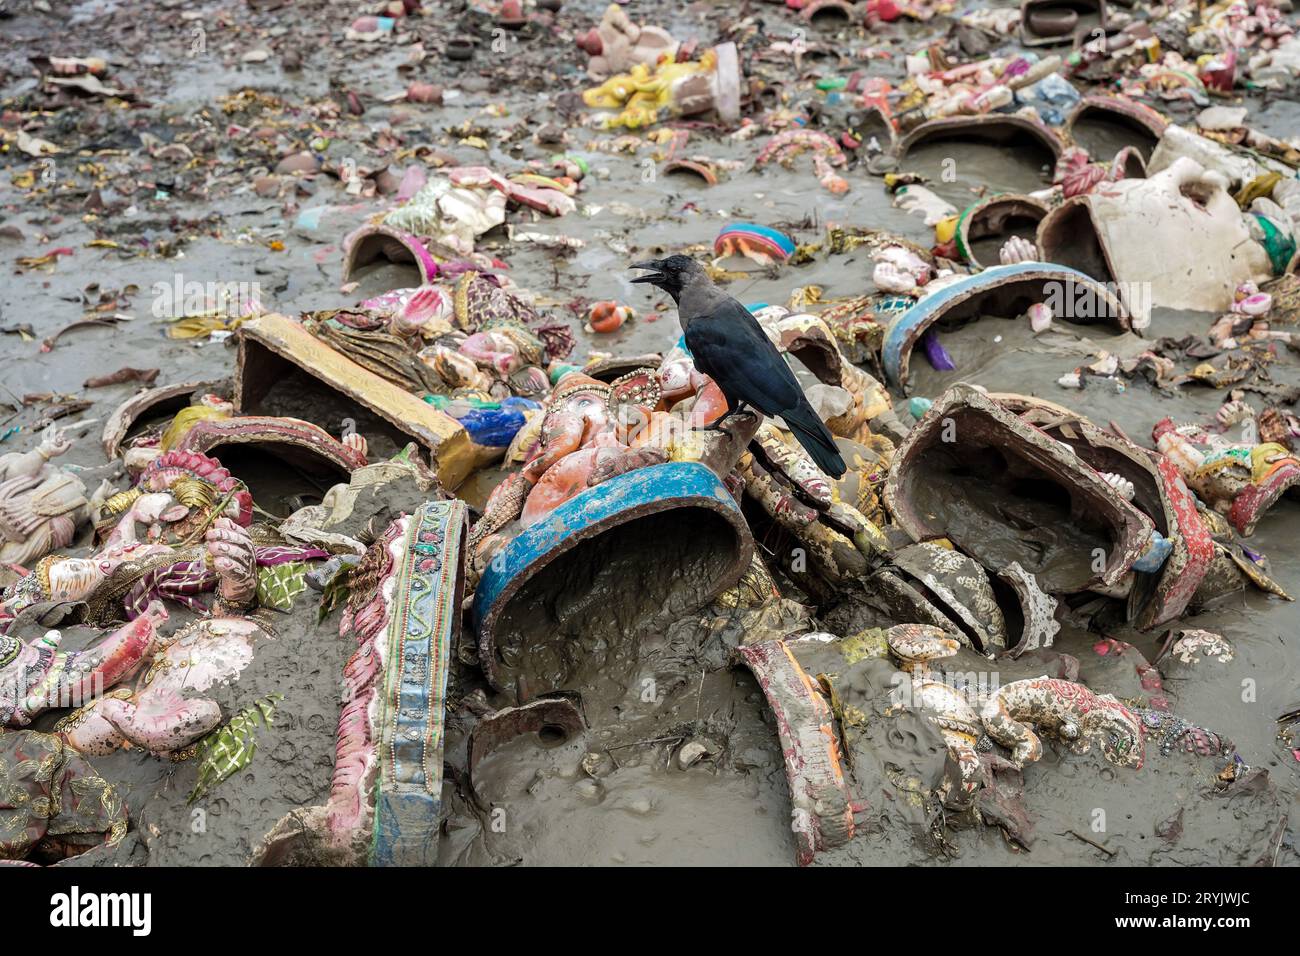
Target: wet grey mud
{"x": 472, "y": 456}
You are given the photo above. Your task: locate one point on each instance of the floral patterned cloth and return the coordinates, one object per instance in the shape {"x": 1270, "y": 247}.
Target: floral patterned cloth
{"x": 53, "y": 804}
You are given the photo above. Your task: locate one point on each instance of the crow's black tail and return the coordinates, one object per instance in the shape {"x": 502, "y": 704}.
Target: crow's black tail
{"x": 815, "y": 438}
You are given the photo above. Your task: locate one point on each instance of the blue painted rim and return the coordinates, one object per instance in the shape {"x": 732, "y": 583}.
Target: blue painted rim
{"x": 411, "y": 724}
{"x": 632, "y": 495}
{"x": 774, "y": 236}
{"x": 928, "y": 309}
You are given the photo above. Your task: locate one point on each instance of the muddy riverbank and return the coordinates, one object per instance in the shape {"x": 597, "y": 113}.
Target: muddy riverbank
{"x": 138, "y": 224}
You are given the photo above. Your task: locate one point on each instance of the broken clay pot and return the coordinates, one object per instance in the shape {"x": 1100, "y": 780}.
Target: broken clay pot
{"x": 614, "y": 556}
{"x": 1007, "y": 130}
{"x": 994, "y": 220}
{"x": 277, "y": 352}
{"x": 1157, "y": 596}
{"x": 1177, "y": 240}
{"x": 1138, "y": 124}
{"x": 305, "y": 448}
{"x": 1000, "y": 290}
{"x": 1052, "y": 22}
{"x": 1003, "y": 491}
{"x": 146, "y": 403}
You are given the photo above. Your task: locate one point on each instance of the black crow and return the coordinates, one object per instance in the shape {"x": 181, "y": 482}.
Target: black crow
{"x": 730, "y": 347}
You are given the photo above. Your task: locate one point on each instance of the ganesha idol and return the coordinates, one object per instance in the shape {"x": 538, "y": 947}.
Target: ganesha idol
{"x": 168, "y": 501}
{"x": 181, "y": 532}
{"x": 41, "y": 506}
{"x": 1237, "y": 479}
{"x": 629, "y": 480}
{"x": 592, "y": 431}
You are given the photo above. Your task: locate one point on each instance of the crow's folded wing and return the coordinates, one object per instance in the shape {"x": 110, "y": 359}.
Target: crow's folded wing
{"x": 729, "y": 346}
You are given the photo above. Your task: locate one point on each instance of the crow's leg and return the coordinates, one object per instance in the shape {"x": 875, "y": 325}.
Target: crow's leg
{"x": 719, "y": 425}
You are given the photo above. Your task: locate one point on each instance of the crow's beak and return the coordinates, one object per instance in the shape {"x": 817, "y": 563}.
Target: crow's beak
{"x": 654, "y": 276}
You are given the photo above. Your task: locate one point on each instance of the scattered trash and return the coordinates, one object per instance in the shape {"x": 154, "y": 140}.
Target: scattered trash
{"x": 653, "y": 422}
